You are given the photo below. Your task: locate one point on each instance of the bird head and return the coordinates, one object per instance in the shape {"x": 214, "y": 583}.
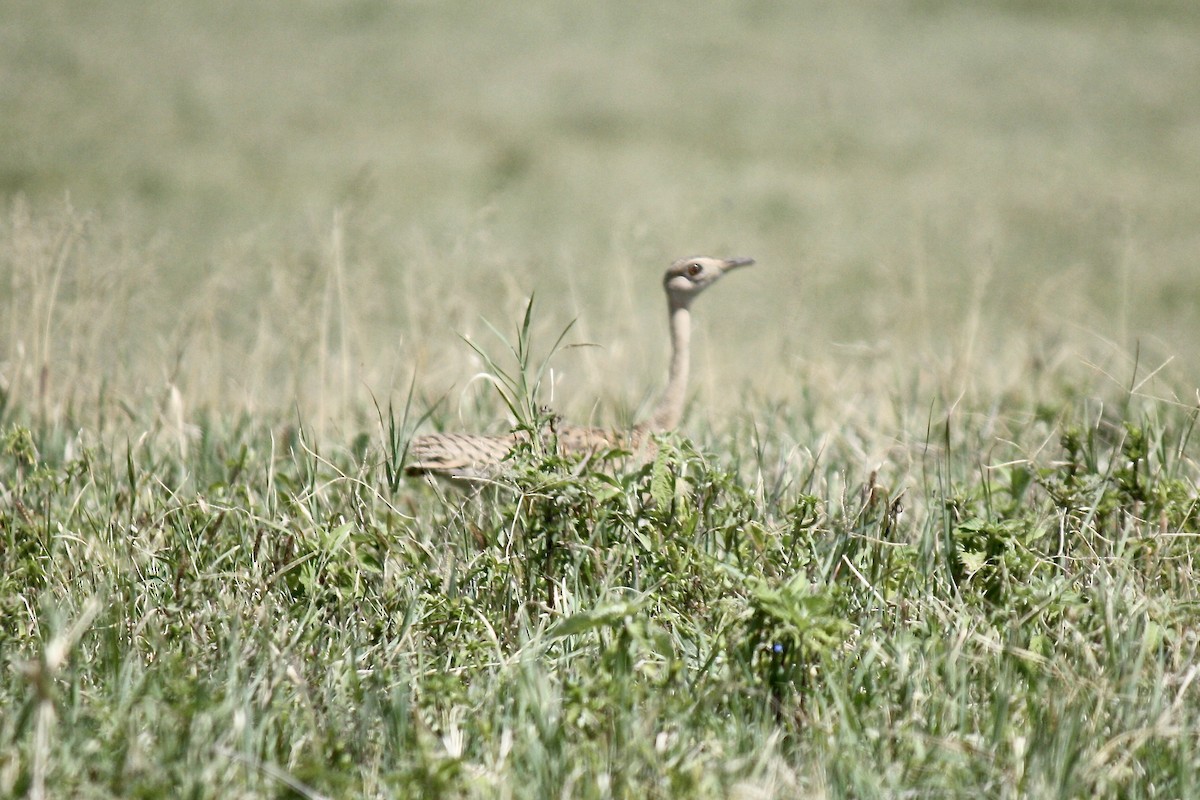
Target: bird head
{"x": 688, "y": 277}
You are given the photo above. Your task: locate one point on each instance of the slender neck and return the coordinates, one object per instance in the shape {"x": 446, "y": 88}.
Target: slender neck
{"x": 670, "y": 408}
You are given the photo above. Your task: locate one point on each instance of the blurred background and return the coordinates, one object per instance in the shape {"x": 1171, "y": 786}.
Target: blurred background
{"x": 300, "y": 203}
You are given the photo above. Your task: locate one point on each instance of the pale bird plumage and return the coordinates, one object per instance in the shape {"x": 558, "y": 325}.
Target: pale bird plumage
{"x": 472, "y": 456}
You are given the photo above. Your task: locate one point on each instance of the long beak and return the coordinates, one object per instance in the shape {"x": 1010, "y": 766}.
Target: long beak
{"x": 734, "y": 263}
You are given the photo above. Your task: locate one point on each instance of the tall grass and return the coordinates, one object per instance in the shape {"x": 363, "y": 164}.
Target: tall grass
{"x": 928, "y": 529}
{"x": 1011, "y": 613}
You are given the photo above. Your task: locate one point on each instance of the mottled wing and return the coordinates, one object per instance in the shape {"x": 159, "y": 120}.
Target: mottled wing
{"x": 575, "y": 439}
{"x": 458, "y": 455}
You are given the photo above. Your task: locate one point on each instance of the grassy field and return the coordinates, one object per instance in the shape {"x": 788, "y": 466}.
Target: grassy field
{"x": 929, "y": 527}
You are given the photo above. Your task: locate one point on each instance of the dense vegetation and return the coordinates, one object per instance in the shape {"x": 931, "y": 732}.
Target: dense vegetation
{"x": 249, "y": 613}
{"x": 929, "y": 528}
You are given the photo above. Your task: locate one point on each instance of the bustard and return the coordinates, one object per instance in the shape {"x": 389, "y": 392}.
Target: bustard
{"x": 467, "y": 456}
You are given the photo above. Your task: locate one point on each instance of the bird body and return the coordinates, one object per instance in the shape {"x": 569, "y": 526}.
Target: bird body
{"x": 473, "y": 456}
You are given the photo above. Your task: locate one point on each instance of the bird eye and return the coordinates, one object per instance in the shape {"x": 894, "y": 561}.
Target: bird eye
{"x": 694, "y": 269}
